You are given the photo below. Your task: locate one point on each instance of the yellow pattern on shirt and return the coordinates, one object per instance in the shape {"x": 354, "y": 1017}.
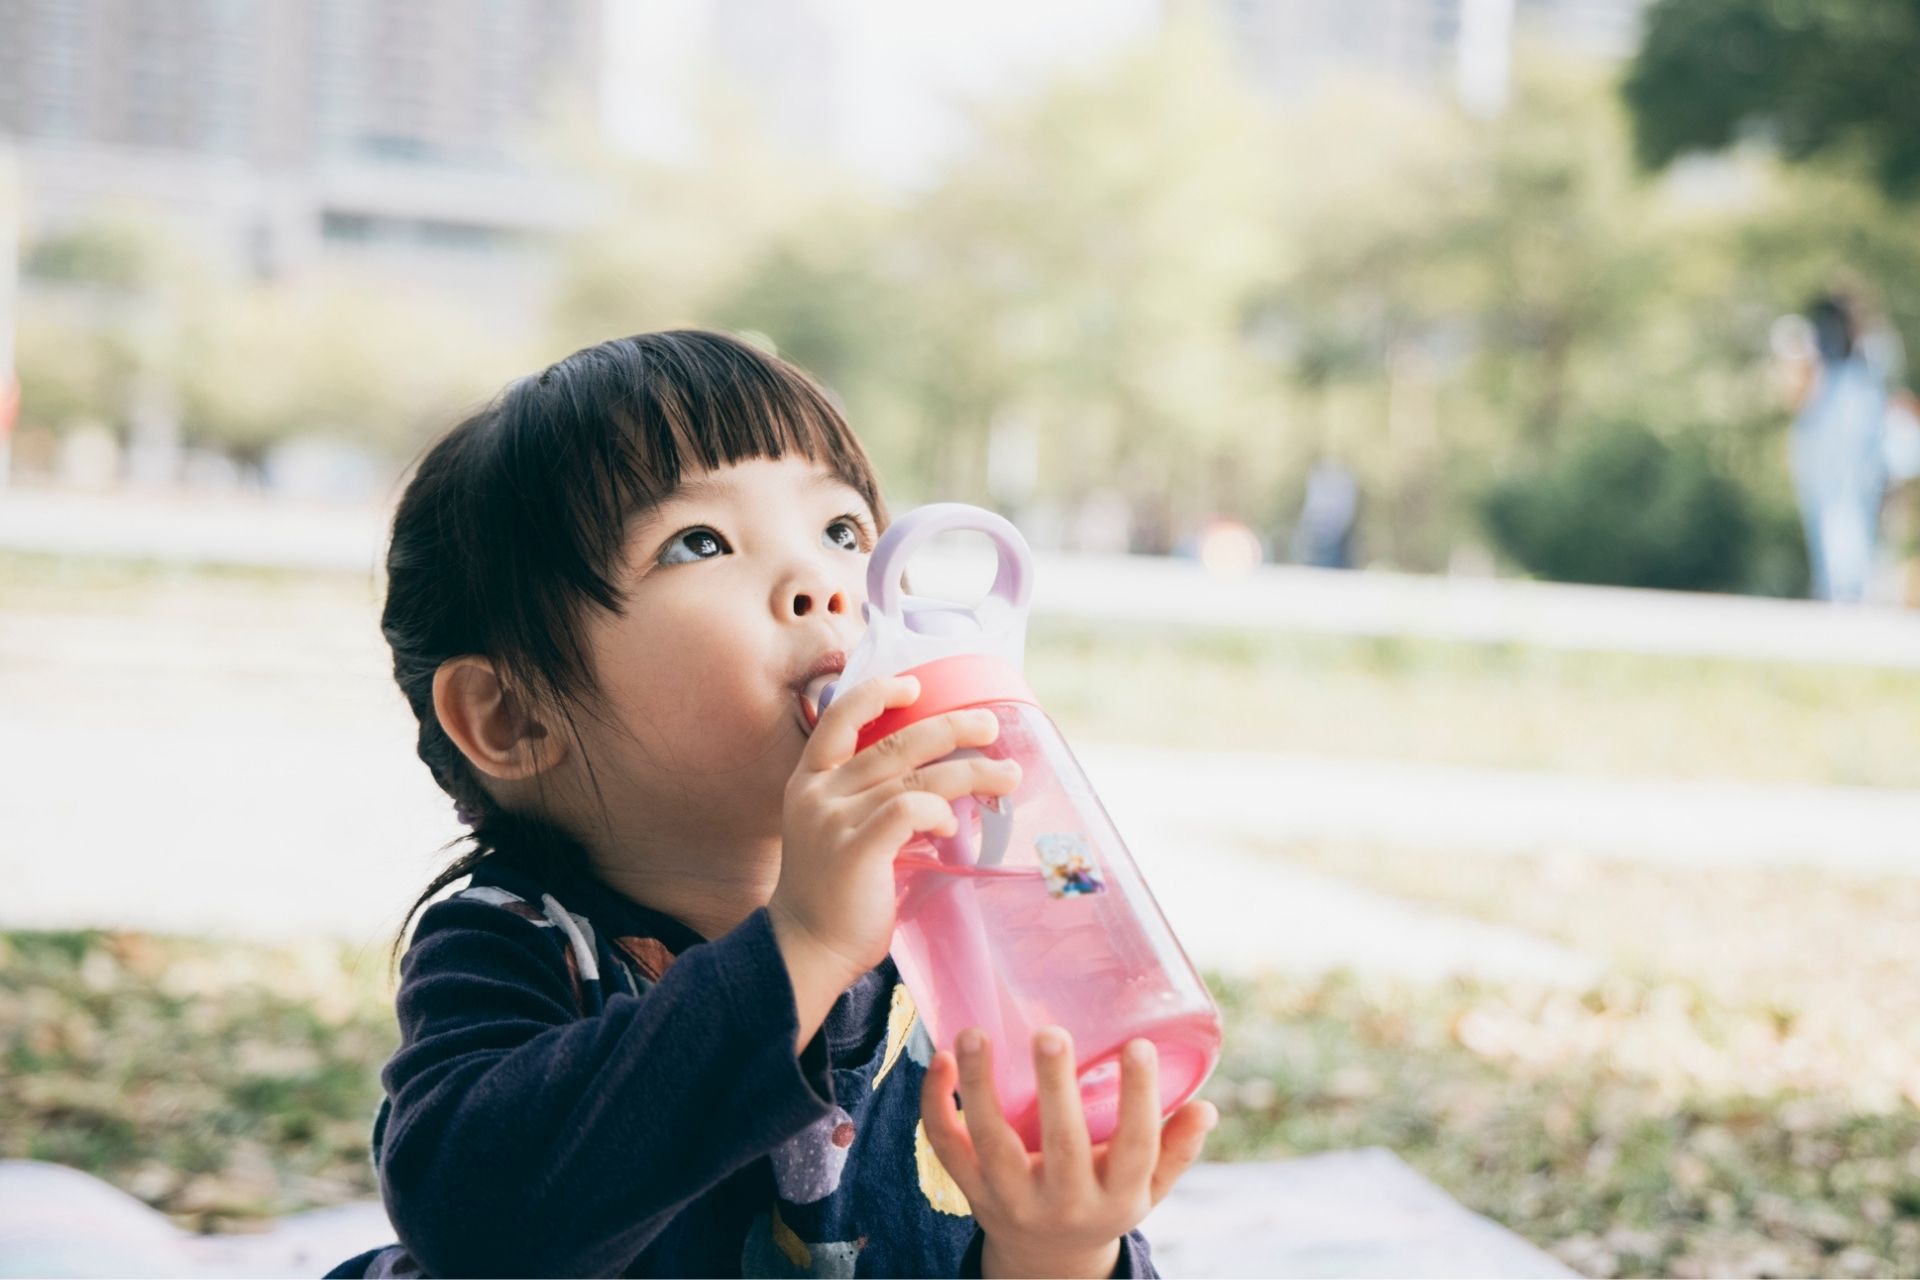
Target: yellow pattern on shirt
{"x": 900, "y": 1018}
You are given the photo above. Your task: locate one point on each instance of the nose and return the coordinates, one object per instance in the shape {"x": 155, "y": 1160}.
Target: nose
{"x": 833, "y": 601}
{"x": 814, "y": 590}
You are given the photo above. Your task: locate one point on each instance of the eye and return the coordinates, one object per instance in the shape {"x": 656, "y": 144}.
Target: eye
{"x": 697, "y": 537}
{"x": 862, "y": 532}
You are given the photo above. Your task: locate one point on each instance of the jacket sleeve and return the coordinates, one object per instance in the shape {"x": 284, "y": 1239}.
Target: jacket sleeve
{"x": 526, "y": 1140}
{"x": 1135, "y": 1260}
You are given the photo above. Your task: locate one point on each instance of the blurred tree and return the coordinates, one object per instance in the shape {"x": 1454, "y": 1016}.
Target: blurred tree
{"x": 371, "y": 366}
{"x": 1811, "y": 76}
{"x": 1089, "y": 267}
{"x": 1624, "y": 507}
{"x": 1084, "y": 266}
{"x": 757, "y": 238}
{"x": 674, "y": 238}
{"x": 100, "y": 322}
{"x": 69, "y": 373}
{"x": 124, "y": 305}
{"x": 1460, "y": 291}
{"x": 1185, "y": 293}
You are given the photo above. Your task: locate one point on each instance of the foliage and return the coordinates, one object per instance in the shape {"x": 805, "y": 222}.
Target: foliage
{"x": 1622, "y": 507}
{"x": 372, "y": 366}
{"x": 1814, "y": 77}
{"x": 125, "y": 306}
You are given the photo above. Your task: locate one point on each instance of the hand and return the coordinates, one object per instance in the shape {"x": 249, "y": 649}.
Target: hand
{"x": 846, "y": 815}
{"x": 1061, "y": 1211}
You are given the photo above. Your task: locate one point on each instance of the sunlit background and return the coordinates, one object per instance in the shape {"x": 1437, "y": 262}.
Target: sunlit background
{"x": 1458, "y": 567}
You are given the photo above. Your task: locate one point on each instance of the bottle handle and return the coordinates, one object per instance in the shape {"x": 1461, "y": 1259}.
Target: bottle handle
{"x": 1012, "y": 580}
{"x": 906, "y": 631}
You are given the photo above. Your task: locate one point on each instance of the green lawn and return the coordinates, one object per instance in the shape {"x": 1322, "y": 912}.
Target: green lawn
{"x": 1499, "y": 706}
{"x": 219, "y": 1082}
{"x": 1662, "y": 1123}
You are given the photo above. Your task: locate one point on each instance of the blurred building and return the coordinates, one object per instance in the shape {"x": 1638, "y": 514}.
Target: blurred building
{"x": 391, "y": 136}
{"x": 874, "y": 86}
{"x": 1463, "y": 47}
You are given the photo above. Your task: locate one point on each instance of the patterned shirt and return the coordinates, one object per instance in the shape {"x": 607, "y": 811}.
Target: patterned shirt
{"x": 595, "y": 1089}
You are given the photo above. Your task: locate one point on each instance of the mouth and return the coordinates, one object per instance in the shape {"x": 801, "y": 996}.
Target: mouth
{"x": 808, "y": 690}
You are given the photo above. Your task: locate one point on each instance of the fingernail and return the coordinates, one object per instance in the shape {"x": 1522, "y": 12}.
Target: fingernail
{"x": 1052, "y": 1043}
{"x": 1139, "y": 1052}
{"x": 1213, "y": 1118}
{"x": 969, "y": 1041}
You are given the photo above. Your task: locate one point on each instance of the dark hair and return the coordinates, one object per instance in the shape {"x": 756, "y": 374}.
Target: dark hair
{"x": 514, "y": 524}
{"x": 1836, "y": 326}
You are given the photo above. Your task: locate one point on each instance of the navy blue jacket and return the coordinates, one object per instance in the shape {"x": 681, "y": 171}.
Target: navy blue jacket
{"x": 587, "y": 1087}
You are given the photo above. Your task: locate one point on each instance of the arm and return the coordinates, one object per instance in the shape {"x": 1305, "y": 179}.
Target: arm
{"x": 524, "y": 1140}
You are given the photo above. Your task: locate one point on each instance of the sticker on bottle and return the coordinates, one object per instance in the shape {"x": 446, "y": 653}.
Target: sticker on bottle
{"x": 1068, "y": 865}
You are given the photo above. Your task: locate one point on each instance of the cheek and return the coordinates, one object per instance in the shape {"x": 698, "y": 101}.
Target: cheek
{"x": 689, "y": 689}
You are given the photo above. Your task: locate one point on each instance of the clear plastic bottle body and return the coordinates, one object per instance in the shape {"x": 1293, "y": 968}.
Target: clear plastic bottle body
{"x": 1035, "y": 915}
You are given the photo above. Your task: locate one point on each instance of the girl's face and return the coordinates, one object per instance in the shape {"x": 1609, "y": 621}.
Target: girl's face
{"x": 737, "y": 585}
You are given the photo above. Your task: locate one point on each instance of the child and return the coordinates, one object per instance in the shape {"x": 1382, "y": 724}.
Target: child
{"x": 658, "y": 1033}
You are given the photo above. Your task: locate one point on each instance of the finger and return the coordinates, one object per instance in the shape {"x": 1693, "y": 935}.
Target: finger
{"x": 837, "y": 733}
{"x": 1135, "y": 1143}
{"x": 894, "y": 821}
{"x": 1001, "y": 1156}
{"x": 1063, "y": 1117}
{"x": 950, "y": 779}
{"x": 1180, "y": 1144}
{"x": 946, "y": 1131}
{"x": 921, "y": 742}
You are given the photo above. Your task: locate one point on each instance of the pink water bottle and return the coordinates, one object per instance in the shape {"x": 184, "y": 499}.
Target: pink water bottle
{"x": 1032, "y": 914}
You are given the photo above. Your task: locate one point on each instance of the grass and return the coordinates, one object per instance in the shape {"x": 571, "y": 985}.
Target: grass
{"x": 1709, "y": 1109}
{"x": 1499, "y": 706}
{"x": 1741, "y": 1096}
{"x": 1551, "y": 1113}
{"x": 36, "y": 582}
{"x": 220, "y": 1083}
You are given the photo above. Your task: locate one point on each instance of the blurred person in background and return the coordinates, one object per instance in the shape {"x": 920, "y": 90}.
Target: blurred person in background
{"x": 1323, "y": 536}
{"x": 1841, "y": 368}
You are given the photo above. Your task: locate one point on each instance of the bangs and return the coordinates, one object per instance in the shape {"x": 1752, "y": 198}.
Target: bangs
{"x": 701, "y": 406}
{"x": 605, "y": 436}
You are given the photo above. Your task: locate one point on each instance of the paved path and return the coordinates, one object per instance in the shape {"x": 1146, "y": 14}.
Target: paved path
{"x": 1260, "y": 800}
{"x": 221, "y": 771}
{"x": 227, "y": 773}
{"x": 211, "y": 769}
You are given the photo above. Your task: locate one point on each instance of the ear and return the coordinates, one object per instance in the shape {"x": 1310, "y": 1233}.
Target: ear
{"x": 490, "y": 723}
